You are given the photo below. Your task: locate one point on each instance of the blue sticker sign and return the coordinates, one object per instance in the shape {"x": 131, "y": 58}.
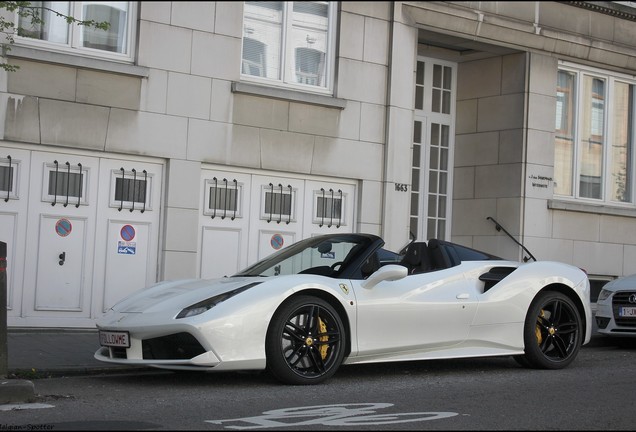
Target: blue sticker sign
{"x": 127, "y": 248}
{"x": 127, "y": 232}
{"x": 63, "y": 227}
{"x": 277, "y": 241}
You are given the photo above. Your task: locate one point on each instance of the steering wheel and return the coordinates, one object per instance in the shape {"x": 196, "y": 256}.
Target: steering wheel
{"x": 336, "y": 264}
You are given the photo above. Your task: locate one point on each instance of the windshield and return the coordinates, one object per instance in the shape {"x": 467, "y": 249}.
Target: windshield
{"x": 328, "y": 255}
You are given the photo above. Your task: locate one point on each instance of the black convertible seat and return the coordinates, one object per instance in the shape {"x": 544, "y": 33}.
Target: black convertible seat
{"x": 417, "y": 258}
{"x": 439, "y": 256}
{"x": 370, "y": 265}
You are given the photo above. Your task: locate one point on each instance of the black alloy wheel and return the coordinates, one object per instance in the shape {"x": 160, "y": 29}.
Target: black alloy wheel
{"x": 305, "y": 342}
{"x": 553, "y": 332}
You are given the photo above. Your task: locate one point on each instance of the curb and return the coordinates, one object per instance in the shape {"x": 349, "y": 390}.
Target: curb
{"x": 16, "y": 391}
{"x": 75, "y": 371}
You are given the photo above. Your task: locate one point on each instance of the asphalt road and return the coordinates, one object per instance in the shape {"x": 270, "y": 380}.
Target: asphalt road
{"x": 595, "y": 393}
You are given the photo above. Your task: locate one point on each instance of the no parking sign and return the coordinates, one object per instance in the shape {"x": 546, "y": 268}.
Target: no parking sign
{"x": 277, "y": 241}
{"x": 63, "y": 227}
{"x": 127, "y": 232}
{"x": 127, "y": 246}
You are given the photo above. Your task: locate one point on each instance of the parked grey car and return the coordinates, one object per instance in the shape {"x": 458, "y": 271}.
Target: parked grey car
{"x": 616, "y": 307}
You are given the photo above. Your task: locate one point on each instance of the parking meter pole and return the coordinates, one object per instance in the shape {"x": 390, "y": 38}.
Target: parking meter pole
{"x": 4, "y": 354}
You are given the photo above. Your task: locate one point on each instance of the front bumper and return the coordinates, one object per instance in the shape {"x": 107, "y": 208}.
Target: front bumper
{"x": 608, "y": 318}
{"x": 197, "y": 343}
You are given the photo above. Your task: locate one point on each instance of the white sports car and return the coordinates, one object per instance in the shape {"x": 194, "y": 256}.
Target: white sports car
{"x": 616, "y": 307}
{"x": 335, "y": 299}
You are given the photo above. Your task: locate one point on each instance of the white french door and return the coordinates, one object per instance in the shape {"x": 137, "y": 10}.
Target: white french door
{"x": 433, "y": 146}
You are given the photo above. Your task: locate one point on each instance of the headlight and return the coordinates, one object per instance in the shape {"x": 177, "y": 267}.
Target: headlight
{"x": 603, "y": 295}
{"x": 207, "y": 304}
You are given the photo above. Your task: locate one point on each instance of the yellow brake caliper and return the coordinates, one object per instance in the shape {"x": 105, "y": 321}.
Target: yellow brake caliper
{"x": 537, "y": 329}
{"x": 323, "y": 329}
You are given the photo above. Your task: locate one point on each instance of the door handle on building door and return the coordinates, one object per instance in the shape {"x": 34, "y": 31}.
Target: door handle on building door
{"x": 62, "y": 257}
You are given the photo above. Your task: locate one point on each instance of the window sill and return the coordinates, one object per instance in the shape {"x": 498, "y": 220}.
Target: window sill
{"x": 600, "y": 209}
{"x": 288, "y": 95}
{"x": 21, "y": 52}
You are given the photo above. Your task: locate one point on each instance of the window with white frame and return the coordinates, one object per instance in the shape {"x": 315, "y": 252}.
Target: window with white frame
{"x": 278, "y": 203}
{"x": 223, "y": 198}
{"x": 8, "y": 178}
{"x": 131, "y": 189}
{"x": 329, "y": 207}
{"x": 289, "y": 43}
{"x": 594, "y": 139}
{"x": 65, "y": 183}
{"x": 432, "y": 147}
{"x": 55, "y": 33}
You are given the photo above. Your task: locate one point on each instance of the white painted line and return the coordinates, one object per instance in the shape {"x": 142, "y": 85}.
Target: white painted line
{"x": 20, "y": 407}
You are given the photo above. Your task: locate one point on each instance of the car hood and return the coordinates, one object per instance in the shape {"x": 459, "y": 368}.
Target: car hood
{"x": 623, "y": 283}
{"x": 171, "y": 295}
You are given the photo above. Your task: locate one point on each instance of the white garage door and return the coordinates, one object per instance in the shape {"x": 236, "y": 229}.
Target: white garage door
{"x": 247, "y": 216}
{"x": 82, "y": 232}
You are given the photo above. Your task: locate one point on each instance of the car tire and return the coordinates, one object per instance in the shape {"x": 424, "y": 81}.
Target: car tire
{"x": 552, "y": 332}
{"x": 305, "y": 342}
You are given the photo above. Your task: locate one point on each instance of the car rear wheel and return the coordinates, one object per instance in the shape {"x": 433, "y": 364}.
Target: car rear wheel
{"x": 305, "y": 342}
{"x": 552, "y": 332}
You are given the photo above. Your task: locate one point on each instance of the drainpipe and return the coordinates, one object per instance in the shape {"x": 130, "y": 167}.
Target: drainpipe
{"x": 524, "y": 152}
{"x": 387, "y": 122}
{"x": 4, "y": 354}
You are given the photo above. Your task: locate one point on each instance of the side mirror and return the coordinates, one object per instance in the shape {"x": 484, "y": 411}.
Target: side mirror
{"x": 390, "y": 272}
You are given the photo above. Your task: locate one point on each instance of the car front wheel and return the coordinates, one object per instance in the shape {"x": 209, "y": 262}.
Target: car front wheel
{"x": 305, "y": 342}
{"x": 552, "y": 332}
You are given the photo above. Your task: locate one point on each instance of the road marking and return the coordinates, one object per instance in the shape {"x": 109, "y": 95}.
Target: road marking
{"x": 363, "y": 414}
{"x": 20, "y": 407}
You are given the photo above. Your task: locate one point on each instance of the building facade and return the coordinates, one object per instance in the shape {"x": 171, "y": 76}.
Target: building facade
{"x": 192, "y": 138}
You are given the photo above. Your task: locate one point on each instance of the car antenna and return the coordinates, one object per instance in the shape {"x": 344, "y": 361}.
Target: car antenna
{"x": 498, "y": 227}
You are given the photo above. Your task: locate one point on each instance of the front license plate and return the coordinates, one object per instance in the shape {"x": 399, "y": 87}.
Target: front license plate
{"x": 627, "y": 312}
{"x": 114, "y": 339}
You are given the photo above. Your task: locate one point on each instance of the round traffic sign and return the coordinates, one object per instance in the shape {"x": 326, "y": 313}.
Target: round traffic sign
{"x": 277, "y": 241}
{"x": 127, "y": 232}
{"x": 63, "y": 227}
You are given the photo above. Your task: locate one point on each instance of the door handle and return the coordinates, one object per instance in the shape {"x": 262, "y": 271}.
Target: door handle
{"x": 463, "y": 296}
{"x": 62, "y": 257}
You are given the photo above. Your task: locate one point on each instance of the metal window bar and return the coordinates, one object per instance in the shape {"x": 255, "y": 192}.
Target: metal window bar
{"x": 132, "y": 207}
{"x": 279, "y": 202}
{"x": 332, "y": 204}
{"x": 280, "y": 210}
{"x": 213, "y": 199}
{"x": 324, "y": 208}
{"x": 121, "y": 197}
{"x": 143, "y": 209}
{"x": 271, "y": 203}
{"x": 79, "y": 186}
{"x": 9, "y": 179}
{"x": 68, "y": 182}
{"x": 332, "y": 208}
{"x": 55, "y": 185}
{"x": 340, "y": 212}
{"x": 235, "y": 199}
{"x": 290, "y": 194}
{"x": 225, "y": 200}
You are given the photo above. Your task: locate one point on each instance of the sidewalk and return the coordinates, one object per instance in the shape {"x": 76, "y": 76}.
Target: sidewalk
{"x": 41, "y": 353}
{"x": 54, "y": 352}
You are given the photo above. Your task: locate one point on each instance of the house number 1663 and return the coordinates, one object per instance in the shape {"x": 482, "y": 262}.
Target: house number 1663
{"x": 401, "y": 187}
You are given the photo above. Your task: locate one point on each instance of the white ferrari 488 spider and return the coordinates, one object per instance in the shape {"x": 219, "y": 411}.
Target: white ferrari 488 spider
{"x": 339, "y": 299}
